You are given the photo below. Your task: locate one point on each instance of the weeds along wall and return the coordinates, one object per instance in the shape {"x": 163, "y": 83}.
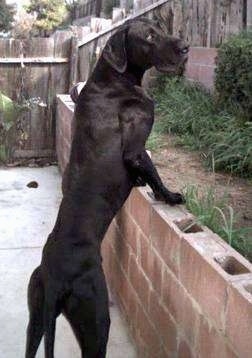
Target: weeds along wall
{"x": 183, "y": 291}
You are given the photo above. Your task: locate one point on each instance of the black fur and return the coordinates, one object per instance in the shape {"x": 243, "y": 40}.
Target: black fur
{"x": 113, "y": 119}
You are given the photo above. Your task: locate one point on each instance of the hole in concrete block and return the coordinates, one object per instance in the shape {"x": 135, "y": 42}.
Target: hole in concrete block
{"x": 248, "y": 288}
{"x": 231, "y": 265}
{"x": 188, "y": 226}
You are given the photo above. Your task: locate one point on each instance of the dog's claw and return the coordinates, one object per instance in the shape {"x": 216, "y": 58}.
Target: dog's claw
{"x": 170, "y": 198}
{"x": 140, "y": 182}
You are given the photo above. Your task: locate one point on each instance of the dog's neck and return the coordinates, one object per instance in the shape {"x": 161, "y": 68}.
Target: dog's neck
{"x": 134, "y": 74}
{"x": 105, "y": 73}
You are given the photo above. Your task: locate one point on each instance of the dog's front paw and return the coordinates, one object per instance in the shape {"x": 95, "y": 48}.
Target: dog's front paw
{"x": 175, "y": 198}
{"x": 170, "y": 198}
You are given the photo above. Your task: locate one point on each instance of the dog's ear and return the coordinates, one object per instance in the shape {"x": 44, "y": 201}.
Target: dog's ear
{"x": 115, "y": 52}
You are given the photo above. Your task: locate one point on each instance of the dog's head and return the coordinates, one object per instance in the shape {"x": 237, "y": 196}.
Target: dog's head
{"x": 143, "y": 44}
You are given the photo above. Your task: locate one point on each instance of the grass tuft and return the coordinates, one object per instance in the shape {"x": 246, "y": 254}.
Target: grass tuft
{"x": 214, "y": 212}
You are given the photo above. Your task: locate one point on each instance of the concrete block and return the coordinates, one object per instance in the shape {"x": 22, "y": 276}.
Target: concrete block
{"x": 151, "y": 264}
{"x": 239, "y": 317}
{"x": 141, "y": 209}
{"x": 181, "y": 307}
{"x": 211, "y": 343}
{"x": 164, "y": 325}
{"x": 202, "y": 277}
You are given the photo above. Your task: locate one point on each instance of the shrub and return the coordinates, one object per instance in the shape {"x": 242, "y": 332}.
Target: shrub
{"x": 191, "y": 113}
{"x": 234, "y": 74}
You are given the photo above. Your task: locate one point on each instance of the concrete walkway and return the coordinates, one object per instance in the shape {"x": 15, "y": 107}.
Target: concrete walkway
{"x": 27, "y": 216}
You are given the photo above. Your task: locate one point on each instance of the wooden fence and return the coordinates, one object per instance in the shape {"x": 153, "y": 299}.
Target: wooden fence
{"x": 208, "y": 23}
{"x": 39, "y": 68}
{"x": 205, "y": 22}
{"x": 35, "y": 70}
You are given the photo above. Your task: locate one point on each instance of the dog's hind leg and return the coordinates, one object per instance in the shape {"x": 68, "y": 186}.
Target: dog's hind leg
{"x": 87, "y": 312}
{"x": 79, "y": 313}
{"x": 50, "y": 316}
{"x": 35, "y": 327}
{"x": 102, "y": 314}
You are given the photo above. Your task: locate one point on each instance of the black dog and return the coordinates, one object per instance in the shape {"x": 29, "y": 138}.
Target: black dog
{"x": 113, "y": 119}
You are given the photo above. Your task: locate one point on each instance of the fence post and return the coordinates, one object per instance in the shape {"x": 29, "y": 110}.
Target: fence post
{"x": 73, "y": 61}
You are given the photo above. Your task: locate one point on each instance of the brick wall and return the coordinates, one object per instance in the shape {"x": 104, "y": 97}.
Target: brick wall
{"x": 201, "y": 65}
{"x": 183, "y": 294}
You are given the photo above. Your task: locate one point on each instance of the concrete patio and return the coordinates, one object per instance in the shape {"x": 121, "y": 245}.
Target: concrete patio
{"x": 27, "y": 216}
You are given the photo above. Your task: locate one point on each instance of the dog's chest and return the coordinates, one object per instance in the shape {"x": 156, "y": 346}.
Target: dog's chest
{"x": 137, "y": 108}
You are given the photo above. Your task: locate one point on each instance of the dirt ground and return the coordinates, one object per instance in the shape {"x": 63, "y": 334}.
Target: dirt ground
{"x": 179, "y": 167}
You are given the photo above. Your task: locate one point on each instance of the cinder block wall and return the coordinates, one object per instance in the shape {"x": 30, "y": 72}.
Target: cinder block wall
{"x": 183, "y": 294}
{"x": 201, "y": 65}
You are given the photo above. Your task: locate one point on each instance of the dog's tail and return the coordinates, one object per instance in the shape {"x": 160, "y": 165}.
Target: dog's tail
{"x": 35, "y": 328}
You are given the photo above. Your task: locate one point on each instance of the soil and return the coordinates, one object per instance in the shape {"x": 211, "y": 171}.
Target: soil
{"x": 179, "y": 167}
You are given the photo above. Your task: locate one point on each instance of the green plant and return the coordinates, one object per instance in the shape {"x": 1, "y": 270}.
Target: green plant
{"x": 50, "y": 14}
{"x": 9, "y": 113}
{"x": 6, "y": 16}
{"x": 214, "y": 212}
{"x": 204, "y": 206}
{"x": 233, "y": 80}
{"x": 191, "y": 113}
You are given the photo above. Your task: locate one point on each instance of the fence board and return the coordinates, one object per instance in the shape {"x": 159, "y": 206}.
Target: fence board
{"x": 62, "y": 43}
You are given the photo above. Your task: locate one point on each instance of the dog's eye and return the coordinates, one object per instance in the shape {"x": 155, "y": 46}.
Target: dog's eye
{"x": 184, "y": 50}
{"x": 149, "y": 37}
